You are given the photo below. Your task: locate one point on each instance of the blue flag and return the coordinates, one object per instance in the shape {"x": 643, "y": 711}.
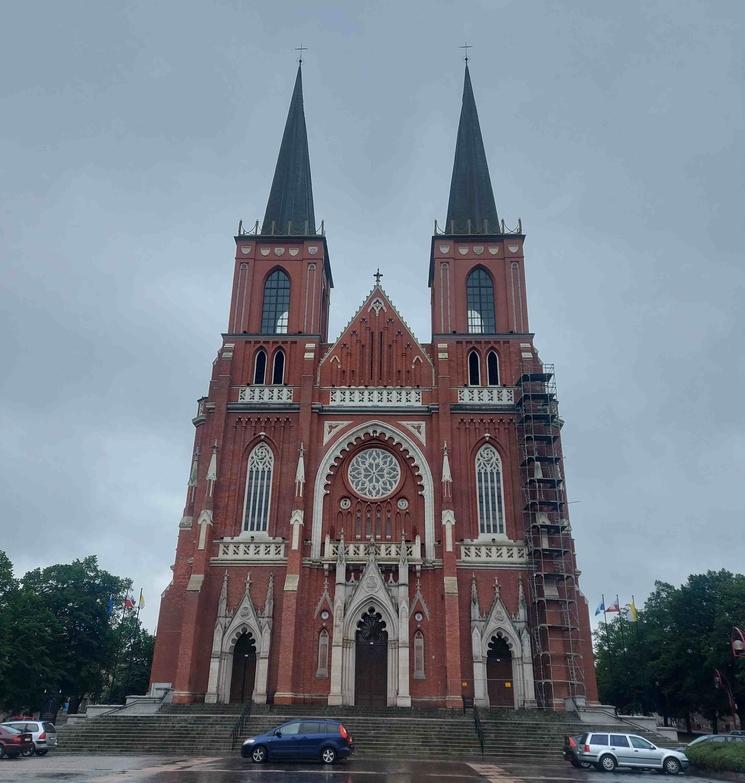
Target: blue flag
{"x": 111, "y": 605}
{"x": 601, "y": 608}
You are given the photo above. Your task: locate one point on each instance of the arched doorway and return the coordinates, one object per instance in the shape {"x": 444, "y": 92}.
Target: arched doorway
{"x": 371, "y": 661}
{"x": 244, "y": 669}
{"x": 499, "y": 673}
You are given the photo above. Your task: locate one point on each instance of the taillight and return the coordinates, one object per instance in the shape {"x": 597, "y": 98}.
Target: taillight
{"x": 43, "y": 736}
{"x": 585, "y": 748}
{"x": 344, "y": 733}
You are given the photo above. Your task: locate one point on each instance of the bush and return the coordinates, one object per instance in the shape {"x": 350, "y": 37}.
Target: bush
{"x": 725, "y": 757}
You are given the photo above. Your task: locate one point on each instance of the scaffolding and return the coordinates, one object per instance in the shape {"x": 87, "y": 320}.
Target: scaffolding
{"x": 554, "y": 605}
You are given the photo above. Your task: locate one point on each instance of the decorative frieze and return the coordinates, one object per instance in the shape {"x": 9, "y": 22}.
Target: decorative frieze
{"x": 250, "y": 551}
{"x": 391, "y": 397}
{"x": 385, "y": 551}
{"x": 267, "y": 395}
{"x": 491, "y": 553}
{"x": 486, "y": 395}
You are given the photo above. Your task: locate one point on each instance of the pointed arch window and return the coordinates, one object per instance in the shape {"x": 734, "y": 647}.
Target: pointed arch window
{"x": 258, "y": 489}
{"x": 419, "y": 656}
{"x": 323, "y": 654}
{"x": 260, "y": 367}
{"x": 276, "y": 310}
{"x": 489, "y": 495}
{"x": 480, "y": 296}
{"x": 492, "y": 368}
{"x": 278, "y": 367}
{"x": 474, "y": 368}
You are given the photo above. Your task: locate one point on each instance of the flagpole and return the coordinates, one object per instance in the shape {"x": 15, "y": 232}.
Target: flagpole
{"x": 607, "y": 636}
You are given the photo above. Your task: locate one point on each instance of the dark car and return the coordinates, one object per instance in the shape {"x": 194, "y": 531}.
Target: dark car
{"x": 313, "y": 738}
{"x": 571, "y": 745}
{"x": 13, "y": 742}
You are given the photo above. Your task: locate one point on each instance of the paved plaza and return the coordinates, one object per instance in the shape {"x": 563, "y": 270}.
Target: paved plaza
{"x": 160, "y": 769}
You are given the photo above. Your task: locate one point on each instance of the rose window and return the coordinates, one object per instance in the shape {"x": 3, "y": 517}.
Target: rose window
{"x": 374, "y": 473}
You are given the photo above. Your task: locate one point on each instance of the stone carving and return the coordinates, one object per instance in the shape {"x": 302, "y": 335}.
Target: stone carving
{"x": 374, "y": 473}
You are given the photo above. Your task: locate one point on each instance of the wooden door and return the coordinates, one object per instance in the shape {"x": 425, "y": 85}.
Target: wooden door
{"x": 499, "y": 674}
{"x": 244, "y": 669}
{"x": 371, "y": 661}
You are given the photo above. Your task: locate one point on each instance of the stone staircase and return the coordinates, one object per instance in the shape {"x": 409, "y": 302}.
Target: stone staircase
{"x": 205, "y": 729}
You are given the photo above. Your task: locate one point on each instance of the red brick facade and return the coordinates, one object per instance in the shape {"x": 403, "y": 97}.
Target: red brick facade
{"x": 376, "y": 386}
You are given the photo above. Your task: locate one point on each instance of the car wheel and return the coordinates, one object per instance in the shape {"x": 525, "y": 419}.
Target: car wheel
{"x": 607, "y": 763}
{"x": 2, "y": 751}
{"x": 328, "y": 755}
{"x": 584, "y": 764}
{"x": 258, "y": 754}
{"x": 574, "y": 763}
{"x": 42, "y": 752}
{"x": 671, "y": 765}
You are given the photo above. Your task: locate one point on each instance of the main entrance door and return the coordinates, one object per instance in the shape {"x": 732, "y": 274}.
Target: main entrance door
{"x": 244, "y": 669}
{"x": 499, "y": 673}
{"x": 371, "y": 661}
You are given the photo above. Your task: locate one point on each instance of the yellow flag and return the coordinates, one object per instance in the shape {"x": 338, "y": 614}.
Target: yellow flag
{"x": 633, "y": 611}
{"x": 141, "y": 602}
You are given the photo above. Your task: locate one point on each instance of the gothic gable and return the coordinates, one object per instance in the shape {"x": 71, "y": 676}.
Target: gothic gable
{"x": 377, "y": 348}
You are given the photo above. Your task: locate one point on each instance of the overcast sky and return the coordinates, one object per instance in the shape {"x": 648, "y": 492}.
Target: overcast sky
{"x": 135, "y": 135}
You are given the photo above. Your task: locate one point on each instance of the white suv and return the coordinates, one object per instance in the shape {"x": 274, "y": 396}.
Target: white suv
{"x": 43, "y": 733}
{"x": 607, "y": 751}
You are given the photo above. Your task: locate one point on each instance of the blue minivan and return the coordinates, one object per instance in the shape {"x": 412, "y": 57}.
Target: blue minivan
{"x": 311, "y": 738}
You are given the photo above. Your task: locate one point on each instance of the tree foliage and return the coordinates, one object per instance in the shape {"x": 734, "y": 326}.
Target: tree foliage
{"x": 58, "y": 639}
{"x": 665, "y": 661}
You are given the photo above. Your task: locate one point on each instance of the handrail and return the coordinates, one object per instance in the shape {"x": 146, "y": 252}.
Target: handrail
{"x": 479, "y": 728}
{"x": 626, "y": 720}
{"x": 240, "y": 725}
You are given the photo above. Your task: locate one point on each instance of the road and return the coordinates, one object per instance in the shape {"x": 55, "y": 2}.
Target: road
{"x": 162, "y": 769}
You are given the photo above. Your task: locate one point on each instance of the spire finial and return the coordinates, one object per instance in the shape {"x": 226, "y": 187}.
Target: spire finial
{"x": 301, "y": 49}
{"x": 378, "y": 274}
{"x": 466, "y": 46}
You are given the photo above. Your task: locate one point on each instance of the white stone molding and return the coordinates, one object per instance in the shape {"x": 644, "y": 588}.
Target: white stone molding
{"x": 330, "y": 428}
{"x": 507, "y": 553}
{"x": 399, "y": 439}
{"x": 486, "y": 395}
{"x": 514, "y": 630}
{"x": 419, "y": 428}
{"x": 296, "y": 522}
{"x": 385, "y": 551}
{"x": 448, "y": 522}
{"x": 236, "y": 552}
{"x": 376, "y": 397}
{"x": 228, "y": 629}
{"x": 271, "y": 395}
{"x": 205, "y": 520}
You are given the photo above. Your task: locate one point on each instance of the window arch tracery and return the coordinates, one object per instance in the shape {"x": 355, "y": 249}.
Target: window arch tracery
{"x": 492, "y": 368}
{"x": 474, "y": 368}
{"x": 276, "y": 309}
{"x": 260, "y": 367}
{"x": 480, "y": 302}
{"x": 258, "y": 489}
{"x": 489, "y": 492}
{"x": 278, "y": 367}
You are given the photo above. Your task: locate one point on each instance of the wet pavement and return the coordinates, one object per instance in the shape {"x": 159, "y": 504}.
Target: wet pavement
{"x": 163, "y": 769}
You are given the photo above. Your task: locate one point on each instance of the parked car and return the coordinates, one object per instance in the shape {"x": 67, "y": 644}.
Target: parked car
{"x": 314, "y": 738}
{"x": 716, "y": 739}
{"x": 13, "y": 742}
{"x": 607, "y": 751}
{"x": 738, "y": 733}
{"x": 571, "y": 745}
{"x": 43, "y": 734}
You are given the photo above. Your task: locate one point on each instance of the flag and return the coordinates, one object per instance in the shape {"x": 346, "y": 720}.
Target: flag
{"x": 633, "y": 611}
{"x": 129, "y": 602}
{"x": 613, "y": 607}
{"x": 141, "y": 602}
{"x": 110, "y": 606}
{"x": 601, "y": 608}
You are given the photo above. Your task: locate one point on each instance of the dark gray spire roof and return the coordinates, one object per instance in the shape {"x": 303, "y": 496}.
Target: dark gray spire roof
{"x": 290, "y": 206}
{"x": 471, "y": 195}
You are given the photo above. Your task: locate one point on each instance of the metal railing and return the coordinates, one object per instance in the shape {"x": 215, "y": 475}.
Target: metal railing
{"x": 479, "y": 728}
{"x": 240, "y": 725}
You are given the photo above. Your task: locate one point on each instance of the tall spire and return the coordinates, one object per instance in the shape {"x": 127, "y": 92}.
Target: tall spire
{"x": 471, "y": 208}
{"x": 290, "y": 206}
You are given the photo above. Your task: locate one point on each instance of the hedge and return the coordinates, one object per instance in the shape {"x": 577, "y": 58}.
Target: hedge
{"x": 725, "y": 757}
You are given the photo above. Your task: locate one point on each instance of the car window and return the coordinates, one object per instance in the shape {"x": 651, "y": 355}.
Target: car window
{"x": 290, "y": 728}
{"x": 12, "y": 729}
{"x": 642, "y": 744}
{"x": 49, "y": 726}
{"x": 619, "y": 740}
{"x": 599, "y": 739}
{"x": 311, "y": 727}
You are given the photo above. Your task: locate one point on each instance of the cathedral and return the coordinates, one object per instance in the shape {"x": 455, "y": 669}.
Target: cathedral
{"x": 376, "y": 521}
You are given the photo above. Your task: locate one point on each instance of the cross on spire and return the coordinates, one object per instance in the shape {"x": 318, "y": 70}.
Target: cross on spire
{"x": 378, "y": 274}
{"x": 301, "y": 49}
{"x": 466, "y": 47}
